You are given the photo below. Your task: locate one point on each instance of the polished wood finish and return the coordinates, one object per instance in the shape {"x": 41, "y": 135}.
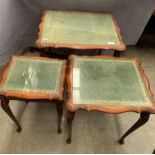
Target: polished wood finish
{"x": 70, "y": 118}
{"x": 6, "y": 108}
{"x": 59, "y": 107}
{"x": 40, "y": 44}
{"x": 144, "y": 117}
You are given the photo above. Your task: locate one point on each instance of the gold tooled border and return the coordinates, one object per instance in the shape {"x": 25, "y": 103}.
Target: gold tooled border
{"x": 40, "y": 44}
{"x": 109, "y": 109}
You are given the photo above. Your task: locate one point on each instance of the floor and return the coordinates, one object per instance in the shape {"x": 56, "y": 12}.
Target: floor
{"x": 93, "y": 132}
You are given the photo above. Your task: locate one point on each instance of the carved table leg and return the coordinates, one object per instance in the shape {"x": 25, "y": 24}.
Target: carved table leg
{"x": 59, "y": 106}
{"x": 70, "y": 117}
{"x": 6, "y": 108}
{"x": 144, "y": 117}
{"x": 116, "y": 54}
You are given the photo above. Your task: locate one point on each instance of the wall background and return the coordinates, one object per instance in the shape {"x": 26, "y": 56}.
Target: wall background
{"x": 19, "y": 19}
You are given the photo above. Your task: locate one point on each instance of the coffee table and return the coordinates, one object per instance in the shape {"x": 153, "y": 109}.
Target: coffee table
{"x": 108, "y": 84}
{"x": 79, "y": 30}
{"x": 33, "y": 79}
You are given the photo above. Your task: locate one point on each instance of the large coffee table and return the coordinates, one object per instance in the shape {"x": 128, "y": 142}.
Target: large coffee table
{"x": 79, "y": 30}
{"x": 108, "y": 84}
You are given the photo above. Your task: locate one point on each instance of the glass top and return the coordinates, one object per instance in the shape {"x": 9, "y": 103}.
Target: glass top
{"x": 27, "y": 74}
{"x": 79, "y": 28}
{"x": 107, "y": 81}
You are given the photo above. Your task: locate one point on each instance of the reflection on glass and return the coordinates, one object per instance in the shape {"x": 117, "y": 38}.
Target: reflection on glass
{"x": 33, "y": 75}
{"x": 107, "y": 81}
{"x": 79, "y": 28}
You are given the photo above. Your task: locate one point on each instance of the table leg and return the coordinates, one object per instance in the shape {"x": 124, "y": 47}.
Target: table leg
{"x": 33, "y": 49}
{"x": 59, "y": 107}
{"x": 42, "y": 52}
{"x": 100, "y": 52}
{"x": 6, "y": 108}
{"x": 70, "y": 118}
{"x": 153, "y": 152}
{"x": 144, "y": 117}
{"x": 116, "y": 54}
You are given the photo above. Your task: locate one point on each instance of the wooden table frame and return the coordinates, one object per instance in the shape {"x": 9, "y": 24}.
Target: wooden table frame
{"x": 6, "y": 96}
{"x": 72, "y": 108}
{"x": 117, "y": 48}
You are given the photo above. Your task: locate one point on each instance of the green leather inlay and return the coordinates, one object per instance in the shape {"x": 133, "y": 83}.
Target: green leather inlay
{"x": 106, "y": 81}
{"x": 79, "y": 28}
{"x": 33, "y": 75}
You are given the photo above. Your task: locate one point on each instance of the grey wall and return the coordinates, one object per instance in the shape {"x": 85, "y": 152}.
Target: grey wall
{"x": 13, "y": 24}
{"x": 19, "y": 19}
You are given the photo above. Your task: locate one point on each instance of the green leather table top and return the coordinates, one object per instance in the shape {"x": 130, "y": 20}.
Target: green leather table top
{"x": 79, "y": 28}
{"x": 33, "y": 75}
{"x": 105, "y": 81}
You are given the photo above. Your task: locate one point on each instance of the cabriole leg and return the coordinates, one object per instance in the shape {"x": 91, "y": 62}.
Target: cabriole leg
{"x": 144, "y": 117}
{"x": 59, "y": 106}
{"x": 116, "y": 54}
{"x": 70, "y": 117}
{"x": 6, "y": 108}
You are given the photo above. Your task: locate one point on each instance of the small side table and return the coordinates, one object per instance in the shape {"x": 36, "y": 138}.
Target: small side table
{"x": 79, "y": 30}
{"x": 108, "y": 84}
{"x": 33, "y": 79}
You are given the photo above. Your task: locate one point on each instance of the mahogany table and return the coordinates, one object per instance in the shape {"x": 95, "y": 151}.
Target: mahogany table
{"x": 33, "y": 79}
{"x": 80, "y": 30}
{"x": 108, "y": 84}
